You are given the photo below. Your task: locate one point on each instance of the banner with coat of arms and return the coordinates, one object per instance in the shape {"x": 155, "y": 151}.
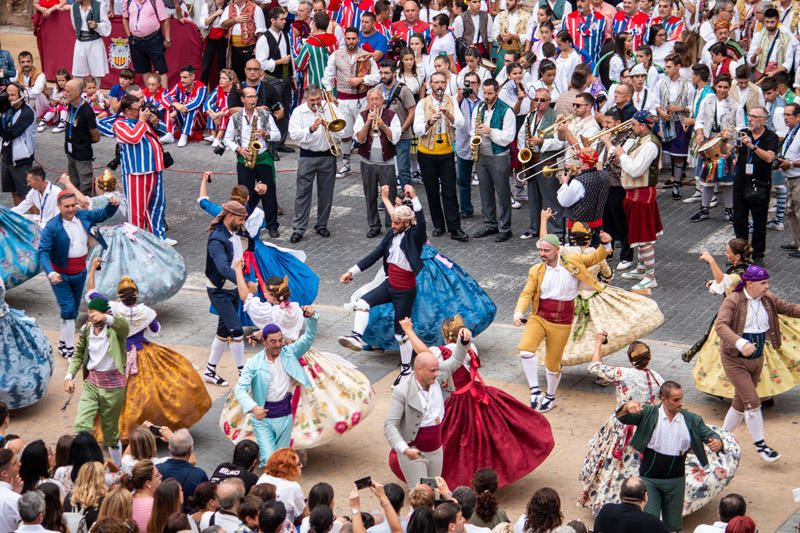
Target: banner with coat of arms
{"x": 119, "y": 55}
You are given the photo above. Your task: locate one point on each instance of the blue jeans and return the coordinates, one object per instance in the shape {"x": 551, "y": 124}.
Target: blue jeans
{"x": 68, "y": 294}
{"x": 403, "y": 148}
{"x": 464, "y": 182}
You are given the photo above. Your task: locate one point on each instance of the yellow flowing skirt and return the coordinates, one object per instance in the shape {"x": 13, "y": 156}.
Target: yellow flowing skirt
{"x": 781, "y": 370}
{"x": 624, "y": 315}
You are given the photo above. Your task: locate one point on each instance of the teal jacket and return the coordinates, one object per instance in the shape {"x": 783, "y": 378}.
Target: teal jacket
{"x": 645, "y": 423}
{"x": 251, "y": 389}
{"x": 117, "y": 334}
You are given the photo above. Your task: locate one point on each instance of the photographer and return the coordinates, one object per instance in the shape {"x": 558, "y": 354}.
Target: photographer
{"x": 468, "y": 100}
{"x": 752, "y": 180}
{"x": 79, "y": 136}
{"x": 18, "y": 130}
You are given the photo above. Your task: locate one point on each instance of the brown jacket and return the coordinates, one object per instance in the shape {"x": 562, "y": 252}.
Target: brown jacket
{"x": 733, "y": 313}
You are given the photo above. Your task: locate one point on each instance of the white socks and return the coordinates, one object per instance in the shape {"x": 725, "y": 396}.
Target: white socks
{"x": 68, "y": 332}
{"x": 553, "y": 379}
{"x": 116, "y": 453}
{"x": 755, "y": 424}
{"x": 361, "y": 319}
{"x": 217, "y": 350}
{"x": 237, "y": 350}
{"x": 732, "y": 419}
{"x": 530, "y": 367}
{"x": 405, "y": 348}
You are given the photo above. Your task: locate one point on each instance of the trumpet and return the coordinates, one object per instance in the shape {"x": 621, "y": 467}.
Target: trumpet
{"x": 376, "y": 130}
{"x": 552, "y": 127}
{"x": 619, "y": 128}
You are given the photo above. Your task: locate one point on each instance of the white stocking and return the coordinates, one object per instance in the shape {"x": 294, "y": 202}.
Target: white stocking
{"x": 530, "y": 366}
{"x": 217, "y": 350}
{"x": 755, "y": 424}
{"x": 68, "y": 332}
{"x": 553, "y": 379}
{"x": 732, "y": 419}
{"x": 406, "y": 349}
{"x": 361, "y": 319}
{"x": 237, "y": 350}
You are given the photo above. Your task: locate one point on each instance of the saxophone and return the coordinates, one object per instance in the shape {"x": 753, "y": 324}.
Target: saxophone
{"x": 254, "y": 145}
{"x": 795, "y": 18}
{"x": 475, "y": 140}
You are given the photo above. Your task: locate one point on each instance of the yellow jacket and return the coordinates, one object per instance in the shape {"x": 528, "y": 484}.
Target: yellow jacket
{"x": 576, "y": 264}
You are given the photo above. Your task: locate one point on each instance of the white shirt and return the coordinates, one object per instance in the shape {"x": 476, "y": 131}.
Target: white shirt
{"x": 78, "y": 238}
{"x": 469, "y": 528}
{"x": 33, "y": 528}
{"x": 445, "y": 44}
{"x": 644, "y": 99}
{"x": 757, "y": 320}
{"x": 513, "y": 19}
{"x": 501, "y": 137}
{"x": 9, "y": 515}
{"x": 644, "y": 157}
{"x": 238, "y": 250}
{"x": 99, "y": 358}
{"x": 508, "y": 94}
{"x": 226, "y": 521}
{"x": 458, "y": 27}
{"x": 45, "y": 202}
{"x": 432, "y": 402}
{"x": 280, "y": 382}
{"x": 262, "y": 49}
{"x": 565, "y": 66}
{"x": 725, "y": 111}
{"x": 103, "y": 27}
{"x": 204, "y": 14}
{"x": 288, "y": 492}
{"x": 559, "y": 284}
{"x": 236, "y": 29}
{"x": 670, "y": 437}
{"x": 570, "y": 193}
{"x": 372, "y": 79}
{"x": 300, "y": 123}
{"x": 271, "y": 129}
{"x": 789, "y": 53}
{"x": 290, "y": 319}
{"x": 420, "y": 122}
{"x": 715, "y": 528}
{"x": 791, "y": 152}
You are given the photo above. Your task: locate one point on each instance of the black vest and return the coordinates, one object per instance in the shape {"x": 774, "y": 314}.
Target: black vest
{"x": 591, "y": 206}
{"x": 281, "y": 71}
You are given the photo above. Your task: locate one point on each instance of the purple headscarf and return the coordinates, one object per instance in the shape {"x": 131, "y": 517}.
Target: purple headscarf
{"x": 269, "y": 329}
{"x": 752, "y": 273}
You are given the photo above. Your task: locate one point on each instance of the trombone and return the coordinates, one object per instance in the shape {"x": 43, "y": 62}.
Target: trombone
{"x": 335, "y": 124}
{"x": 552, "y": 127}
{"x": 619, "y": 128}
{"x": 330, "y": 126}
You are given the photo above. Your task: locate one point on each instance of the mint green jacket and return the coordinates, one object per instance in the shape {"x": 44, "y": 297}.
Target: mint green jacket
{"x": 117, "y": 334}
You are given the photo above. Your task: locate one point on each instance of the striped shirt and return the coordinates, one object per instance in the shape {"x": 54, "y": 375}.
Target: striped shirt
{"x": 674, "y": 27}
{"x": 193, "y": 98}
{"x": 313, "y": 57}
{"x": 348, "y": 14}
{"x": 139, "y": 148}
{"x": 587, "y": 33}
{"x": 636, "y": 25}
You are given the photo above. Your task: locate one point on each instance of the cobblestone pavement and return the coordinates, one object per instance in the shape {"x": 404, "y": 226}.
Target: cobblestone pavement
{"x": 500, "y": 268}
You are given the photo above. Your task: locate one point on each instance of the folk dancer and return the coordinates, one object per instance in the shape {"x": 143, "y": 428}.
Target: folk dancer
{"x": 717, "y": 115}
{"x": 640, "y": 169}
{"x": 663, "y": 436}
{"x": 63, "y": 248}
{"x": 587, "y": 28}
{"x": 584, "y": 196}
{"x": 91, "y": 23}
{"x": 629, "y": 19}
{"x": 413, "y": 425}
{"x": 772, "y": 49}
{"x": 246, "y": 128}
{"x": 274, "y": 53}
{"x": 100, "y": 353}
{"x": 494, "y": 123}
{"x": 701, "y": 75}
{"x": 400, "y": 251}
{"x": 642, "y": 98}
{"x": 747, "y": 94}
{"x": 308, "y": 127}
{"x": 351, "y": 71}
{"x": 473, "y": 27}
{"x": 377, "y": 131}
{"x": 265, "y": 384}
{"x": 224, "y": 248}
{"x": 244, "y": 20}
{"x": 673, "y": 98}
{"x": 435, "y": 127}
{"x": 550, "y": 292}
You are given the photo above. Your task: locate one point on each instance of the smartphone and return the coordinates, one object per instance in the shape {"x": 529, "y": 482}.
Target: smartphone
{"x": 155, "y": 430}
{"x": 431, "y": 482}
{"x": 364, "y": 482}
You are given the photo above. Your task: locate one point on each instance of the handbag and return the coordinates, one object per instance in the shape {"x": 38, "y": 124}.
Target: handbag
{"x": 756, "y": 191}
{"x": 168, "y": 159}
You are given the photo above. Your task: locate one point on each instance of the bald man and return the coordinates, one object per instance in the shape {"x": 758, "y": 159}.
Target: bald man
{"x": 413, "y": 424}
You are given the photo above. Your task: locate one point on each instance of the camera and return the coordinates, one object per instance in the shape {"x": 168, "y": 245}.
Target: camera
{"x": 219, "y": 150}
{"x": 152, "y": 107}
{"x": 467, "y": 90}
{"x": 5, "y": 104}
{"x": 114, "y": 163}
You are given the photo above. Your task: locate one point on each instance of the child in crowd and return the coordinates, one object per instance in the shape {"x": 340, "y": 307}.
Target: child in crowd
{"x": 94, "y": 97}
{"x": 118, "y": 91}
{"x": 57, "y": 112}
{"x": 155, "y": 94}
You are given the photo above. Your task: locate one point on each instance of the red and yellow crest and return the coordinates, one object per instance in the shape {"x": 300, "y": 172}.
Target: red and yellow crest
{"x": 119, "y": 55}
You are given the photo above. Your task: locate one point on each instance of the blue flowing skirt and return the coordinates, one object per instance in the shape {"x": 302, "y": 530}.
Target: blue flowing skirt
{"x": 19, "y": 243}
{"x": 444, "y": 289}
{"x": 157, "y": 269}
{"x": 26, "y": 360}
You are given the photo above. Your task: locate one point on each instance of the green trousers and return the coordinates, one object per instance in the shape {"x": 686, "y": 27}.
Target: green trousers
{"x": 665, "y": 500}
{"x": 109, "y": 403}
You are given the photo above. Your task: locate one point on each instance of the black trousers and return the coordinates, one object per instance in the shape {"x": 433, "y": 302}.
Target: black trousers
{"x": 226, "y": 302}
{"x": 269, "y": 200}
{"x": 402, "y": 301}
{"x": 284, "y": 89}
{"x": 758, "y": 211}
{"x": 439, "y": 177}
{"x": 615, "y": 223}
{"x": 240, "y": 56}
{"x": 215, "y": 48}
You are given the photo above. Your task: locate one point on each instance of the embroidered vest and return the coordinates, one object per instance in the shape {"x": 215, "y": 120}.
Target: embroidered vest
{"x": 428, "y": 139}
{"x": 346, "y": 70}
{"x": 589, "y": 208}
{"x": 92, "y": 15}
{"x": 248, "y": 35}
{"x": 469, "y": 28}
{"x": 387, "y": 147}
{"x": 520, "y": 29}
{"x": 635, "y": 182}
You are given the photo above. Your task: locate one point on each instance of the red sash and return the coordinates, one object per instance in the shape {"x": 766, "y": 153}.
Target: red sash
{"x": 428, "y": 439}
{"x": 401, "y": 279}
{"x": 75, "y": 265}
{"x": 556, "y": 311}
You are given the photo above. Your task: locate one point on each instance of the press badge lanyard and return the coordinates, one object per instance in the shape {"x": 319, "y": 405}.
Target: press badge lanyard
{"x": 788, "y": 143}
{"x": 748, "y": 168}
{"x": 73, "y": 117}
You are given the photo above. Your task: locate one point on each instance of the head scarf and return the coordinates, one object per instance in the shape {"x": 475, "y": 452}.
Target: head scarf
{"x": 269, "y": 329}
{"x": 644, "y": 117}
{"x": 752, "y": 273}
{"x": 588, "y": 156}
{"x": 551, "y": 239}
{"x": 99, "y": 304}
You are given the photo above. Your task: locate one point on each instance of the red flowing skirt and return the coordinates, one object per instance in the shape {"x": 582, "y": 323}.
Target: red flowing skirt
{"x": 641, "y": 211}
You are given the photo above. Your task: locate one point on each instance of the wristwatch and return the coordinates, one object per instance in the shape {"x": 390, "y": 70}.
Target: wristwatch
{"x": 355, "y": 511}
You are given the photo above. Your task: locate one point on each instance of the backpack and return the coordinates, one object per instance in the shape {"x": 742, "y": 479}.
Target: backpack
{"x": 76, "y": 520}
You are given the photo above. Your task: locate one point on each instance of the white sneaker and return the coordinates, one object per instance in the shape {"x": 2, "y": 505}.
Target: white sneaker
{"x": 694, "y": 198}
{"x": 774, "y": 224}
{"x": 475, "y": 180}
{"x": 344, "y": 171}
{"x": 515, "y": 204}
{"x": 767, "y": 453}
{"x": 61, "y": 126}
{"x": 527, "y": 235}
{"x": 41, "y": 127}
{"x": 171, "y": 242}
{"x": 624, "y": 265}
{"x": 182, "y": 141}
{"x": 714, "y": 201}
{"x": 633, "y": 274}
{"x": 548, "y": 404}
{"x": 216, "y": 142}
{"x": 167, "y": 139}
{"x": 214, "y": 379}
{"x": 646, "y": 283}
{"x": 210, "y": 139}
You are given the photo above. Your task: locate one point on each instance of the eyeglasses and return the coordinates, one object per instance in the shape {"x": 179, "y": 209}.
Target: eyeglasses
{"x": 540, "y": 100}
{"x": 751, "y": 117}
{"x": 576, "y": 105}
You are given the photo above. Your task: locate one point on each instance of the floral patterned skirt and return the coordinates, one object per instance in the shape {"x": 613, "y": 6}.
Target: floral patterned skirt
{"x": 624, "y": 315}
{"x": 26, "y": 359}
{"x": 603, "y": 471}
{"x": 781, "y": 370}
{"x": 19, "y": 243}
{"x": 339, "y": 398}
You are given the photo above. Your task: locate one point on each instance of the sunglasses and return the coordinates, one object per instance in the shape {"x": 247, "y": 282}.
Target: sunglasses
{"x": 576, "y": 105}
{"x": 540, "y": 100}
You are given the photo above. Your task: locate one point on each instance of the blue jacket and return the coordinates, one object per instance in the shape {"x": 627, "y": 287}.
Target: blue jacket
{"x": 54, "y": 242}
{"x": 7, "y": 64}
{"x": 219, "y": 256}
{"x": 251, "y": 389}
{"x": 411, "y": 245}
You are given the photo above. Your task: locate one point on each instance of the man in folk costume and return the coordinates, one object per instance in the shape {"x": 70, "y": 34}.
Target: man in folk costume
{"x": 494, "y": 122}
{"x": 299, "y": 31}
{"x": 377, "y": 130}
{"x": 264, "y": 388}
{"x": 63, "y": 248}
{"x": 411, "y": 24}
{"x": 274, "y": 54}
{"x": 751, "y": 13}
{"x": 674, "y": 96}
{"x": 584, "y": 195}
{"x": 314, "y": 54}
{"x": 633, "y": 21}
{"x": 747, "y": 95}
{"x": 587, "y": 28}
{"x": 673, "y": 25}
{"x": 436, "y": 118}
{"x": 640, "y": 170}
{"x": 510, "y": 29}
{"x": 642, "y": 98}
{"x": 351, "y": 70}
{"x": 550, "y": 294}
{"x": 100, "y": 353}
{"x": 187, "y": 99}
{"x": 609, "y": 12}
{"x": 772, "y": 49}
{"x": 91, "y": 24}
{"x": 413, "y": 425}
{"x": 746, "y": 321}
{"x": 473, "y": 27}
{"x": 400, "y": 251}
{"x": 701, "y": 75}
{"x": 244, "y": 20}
